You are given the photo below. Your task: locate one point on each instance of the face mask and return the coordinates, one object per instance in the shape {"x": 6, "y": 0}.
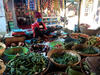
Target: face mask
{"x": 39, "y": 20}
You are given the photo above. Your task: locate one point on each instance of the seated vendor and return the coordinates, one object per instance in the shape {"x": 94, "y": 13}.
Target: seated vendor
{"x": 38, "y": 27}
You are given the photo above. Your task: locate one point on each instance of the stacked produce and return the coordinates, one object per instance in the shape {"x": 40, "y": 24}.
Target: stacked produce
{"x": 92, "y": 41}
{"x": 39, "y": 48}
{"x": 30, "y": 64}
{"x": 56, "y": 44}
{"x": 76, "y": 35}
{"x": 68, "y": 46}
{"x": 69, "y": 42}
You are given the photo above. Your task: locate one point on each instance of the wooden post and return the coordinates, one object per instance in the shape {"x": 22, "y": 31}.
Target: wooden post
{"x": 14, "y": 16}
{"x": 79, "y": 15}
{"x": 65, "y": 13}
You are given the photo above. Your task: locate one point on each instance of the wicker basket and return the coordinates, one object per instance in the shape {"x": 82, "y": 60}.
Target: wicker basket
{"x": 3, "y": 67}
{"x": 16, "y": 50}
{"x": 61, "y": 51}
{"x": 3, "y": 49}
{"x": 75, "y": 35}
{"x": 10, "y": 40}
{"x": 81, "y": 65}
{"x": 88, "y": 31}
{"x": 84, "y": 46}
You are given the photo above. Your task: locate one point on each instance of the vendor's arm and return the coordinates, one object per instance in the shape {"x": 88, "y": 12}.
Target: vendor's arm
{"x": 33, "y": 27}
{"x": 44, "y": 26}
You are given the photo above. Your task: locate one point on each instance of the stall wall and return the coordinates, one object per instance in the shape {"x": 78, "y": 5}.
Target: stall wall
{"x": 2, "y": 18}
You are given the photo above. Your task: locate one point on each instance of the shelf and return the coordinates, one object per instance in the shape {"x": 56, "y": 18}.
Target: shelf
{"x": 52, "y": 24}
{"x": 50, "y": 17}
{"x": 50, "y": 21}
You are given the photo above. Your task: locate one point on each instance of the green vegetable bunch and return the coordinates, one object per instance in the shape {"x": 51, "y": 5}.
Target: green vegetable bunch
{"x": 74, "y": 70}
{"x": 29, "y": 64}
{"x": 88, "y": 50}
{"x": 69, "y": 45}
{"x": 64, "y": 58}
{"x": 87, "y": 69}
{"x": 92, "y": 41}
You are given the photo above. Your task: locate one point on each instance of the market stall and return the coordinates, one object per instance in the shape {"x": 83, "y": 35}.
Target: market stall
{"x": 59, "y": 52}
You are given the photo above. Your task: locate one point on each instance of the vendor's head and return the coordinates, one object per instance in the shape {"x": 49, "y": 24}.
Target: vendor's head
{"x": 38, "y": 16}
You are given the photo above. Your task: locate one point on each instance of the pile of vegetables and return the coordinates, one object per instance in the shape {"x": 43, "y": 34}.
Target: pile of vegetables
{"x": 76, "y": 35}
{"x": 69, "y": 39}
{"x": 30, "y": 64}
{"x": 86, "y": 69}
{"x": 88, "y": 50}
{"x": 92, "y": 41}
{"x": 56, "y": 44}
{"x": 82, "y": 39}
{"x": 68, "y": 46}
{"x": 39, "y": 48}
{"x": 64, "y": 58}
{"x": 76, "y": 70}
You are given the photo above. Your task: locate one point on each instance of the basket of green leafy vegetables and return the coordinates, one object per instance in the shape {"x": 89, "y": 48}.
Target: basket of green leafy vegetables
{"x": 29, "y": 64}
{"x": 86, "y": 50}
{"x": 13, "y": 51}
{"x": 56, "y": 44}
{"x": 63, "y": 58}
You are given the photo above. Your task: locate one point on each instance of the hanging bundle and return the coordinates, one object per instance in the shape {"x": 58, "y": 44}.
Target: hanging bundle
{"x": 61, "y": 4}
{"x": 52, "y": 5}
{"x": 44, "y": 4}
{"x": 49, "y": 4}
{"x": 30, "y": 4}
{"x": 56, "y": 6}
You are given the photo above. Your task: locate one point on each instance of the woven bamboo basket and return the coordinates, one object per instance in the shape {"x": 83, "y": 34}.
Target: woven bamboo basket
{"x": 81, "y": 46}
{"x": 88, "y": 31}
{"x": 50, "y": 53}
{"x": 2, "y": 49}
{"x": 3, "y": 67}
{"x": 10, "y": 40}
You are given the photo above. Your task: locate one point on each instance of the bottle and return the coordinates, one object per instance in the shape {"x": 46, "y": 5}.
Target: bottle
{"x": 77, "y": 29}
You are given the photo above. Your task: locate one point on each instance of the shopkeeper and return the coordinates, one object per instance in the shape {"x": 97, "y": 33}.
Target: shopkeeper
{"x": 38, "y": 27}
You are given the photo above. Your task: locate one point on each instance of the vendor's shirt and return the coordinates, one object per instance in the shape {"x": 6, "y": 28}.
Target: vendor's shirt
{"x": 40, "y": 25}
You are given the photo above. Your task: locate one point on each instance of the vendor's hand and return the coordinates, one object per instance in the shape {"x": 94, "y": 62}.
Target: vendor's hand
{"x": 46, "y": 36}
